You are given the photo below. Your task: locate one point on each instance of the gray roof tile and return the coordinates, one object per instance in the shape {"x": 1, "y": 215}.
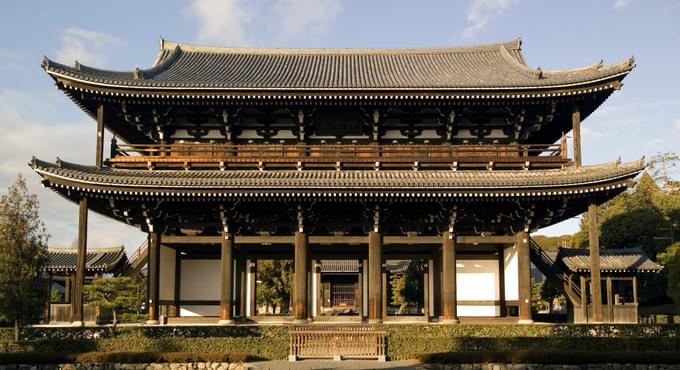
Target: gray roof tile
{"x": 611, "y": 260}
{"x": 97, "y": 259}
{"x": 472, "y": 180}
{"x": 494, "y": 66}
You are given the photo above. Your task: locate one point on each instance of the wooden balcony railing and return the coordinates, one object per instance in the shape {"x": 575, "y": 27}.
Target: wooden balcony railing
{"x": 225, "y": 155}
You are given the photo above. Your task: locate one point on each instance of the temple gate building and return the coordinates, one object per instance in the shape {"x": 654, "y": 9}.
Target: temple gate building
{"x": 350, "y": 172}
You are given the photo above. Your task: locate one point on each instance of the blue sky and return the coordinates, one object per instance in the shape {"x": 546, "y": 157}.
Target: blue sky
{"x": 640, "y": 120}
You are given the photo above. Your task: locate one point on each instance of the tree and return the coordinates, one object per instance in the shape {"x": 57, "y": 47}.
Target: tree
{"x": 274, "y": 283}
{"x": 672, "y": 265}
{"x": 662, "y": 165}
{"x": 116, "y": 293}
{"x": 23, "y": 249}
{"x": 406, "y": 286}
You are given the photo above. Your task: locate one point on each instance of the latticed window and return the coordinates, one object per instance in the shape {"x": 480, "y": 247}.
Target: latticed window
{"x": 342, "y": 294}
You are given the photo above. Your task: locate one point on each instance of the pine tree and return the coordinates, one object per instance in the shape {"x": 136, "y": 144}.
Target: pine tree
{"x": 116, "y": 293}
{"x": 23, "y": 249}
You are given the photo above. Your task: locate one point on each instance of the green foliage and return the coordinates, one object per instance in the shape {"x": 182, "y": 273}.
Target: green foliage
{"x": 403, "y": 341}
{"x": 671, "y": 260}
{"x": 116, "y": 293}
{"x": 23, "y": 247}
{"x": 406, "y": 286}
{"x": 123, "y": 357}
{"x": 563, "y": 357}
{"x": 275, "y": 284}
{"x": 552, "y": 243}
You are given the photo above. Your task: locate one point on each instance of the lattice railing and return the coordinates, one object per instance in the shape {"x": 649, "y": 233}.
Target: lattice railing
{"x": 337, "y": 342}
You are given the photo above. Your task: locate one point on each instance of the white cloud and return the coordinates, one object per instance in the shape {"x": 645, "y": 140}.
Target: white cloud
{"x": 620, "y": 4}
{"x": 252, "y": 23}
{"x": 305, "y": 17}
{"x": 28, "y": 130}
{"x": 590, "y": 133}
{"x": 481, "y": 12}
{"x": 87, "y": 47}
{"x": 221, "y": 22}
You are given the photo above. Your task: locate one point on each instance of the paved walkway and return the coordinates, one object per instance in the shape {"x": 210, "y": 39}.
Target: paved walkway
{"x": 328, "y": 365}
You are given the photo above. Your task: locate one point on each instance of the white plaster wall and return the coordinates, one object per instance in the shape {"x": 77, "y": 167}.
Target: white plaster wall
{"x": 199, "y": 310}
{"x": 477, "y": 280}
{"x": 511, "y": 273}
{"x": 478, "y": 311}
{"x": 167, "y": 274}
{"x": 200, "y": 280}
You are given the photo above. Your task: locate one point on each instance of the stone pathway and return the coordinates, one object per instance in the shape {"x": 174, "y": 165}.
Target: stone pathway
{"x": 328, "y": 365}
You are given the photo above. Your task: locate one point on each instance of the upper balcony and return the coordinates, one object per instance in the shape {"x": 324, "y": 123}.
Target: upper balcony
{"x": 339, "y": 156}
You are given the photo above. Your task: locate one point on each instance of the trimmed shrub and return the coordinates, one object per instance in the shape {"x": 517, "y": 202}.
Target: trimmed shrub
{"x": 552, "y": 357}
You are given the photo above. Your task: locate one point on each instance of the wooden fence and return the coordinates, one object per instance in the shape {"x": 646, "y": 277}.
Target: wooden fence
{"x": 337, "y": 342}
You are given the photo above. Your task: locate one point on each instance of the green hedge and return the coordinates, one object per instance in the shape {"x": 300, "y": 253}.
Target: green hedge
{"x": 403, "y": 341}
{"x": 551, "y": 357}
{"x": 121, "y": 357}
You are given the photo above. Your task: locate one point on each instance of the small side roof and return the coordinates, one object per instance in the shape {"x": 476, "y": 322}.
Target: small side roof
{"x": 493, "y": 67}
{"x": 630, "y": 260}
{"x": 97, "y": 260}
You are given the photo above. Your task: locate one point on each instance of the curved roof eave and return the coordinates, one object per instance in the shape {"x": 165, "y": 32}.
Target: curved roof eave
{"x": 599, "y": 178}
{"x": 495, "y": 68}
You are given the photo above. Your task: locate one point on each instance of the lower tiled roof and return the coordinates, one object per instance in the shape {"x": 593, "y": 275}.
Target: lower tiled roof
{"x": 286, "y": 180}
{"x": 611, "y": 260}
{"x": 102, "y": 260}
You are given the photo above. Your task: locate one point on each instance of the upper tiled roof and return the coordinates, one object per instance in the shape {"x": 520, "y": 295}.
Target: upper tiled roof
{"x": 287, "y": 180}
{"x": 611, "y": 260}
{"x": 485, "y": 67}
{"x": 100, "y": 260}
{"x": 351, "y": 265}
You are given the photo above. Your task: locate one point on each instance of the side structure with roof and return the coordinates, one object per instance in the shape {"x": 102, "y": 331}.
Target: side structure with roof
{"x": 337, "y": 165}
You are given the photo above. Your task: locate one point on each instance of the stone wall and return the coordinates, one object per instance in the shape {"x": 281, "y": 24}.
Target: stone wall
{"x": 503, "y": 366}
{"x": 119, "y": 366}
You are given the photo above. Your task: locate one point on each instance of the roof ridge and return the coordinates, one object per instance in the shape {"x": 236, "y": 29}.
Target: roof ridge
{"x": 89, "y": 249}
{"x": 167, "y": 45}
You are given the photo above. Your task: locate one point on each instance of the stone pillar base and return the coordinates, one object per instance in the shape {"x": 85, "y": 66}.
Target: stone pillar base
{"x": 77, "y": 323}
{"x": 375, "y": 321}
{"x": 450, "y": 321}
{"x": 152, "y": 322}
{"x": 525, "y": 322}
{"x": 300, "y": 321}
{"x": 225, "y": 322}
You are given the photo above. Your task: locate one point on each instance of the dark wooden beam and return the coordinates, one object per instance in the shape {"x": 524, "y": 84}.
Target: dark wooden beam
{"x": 524, "y": 283}
{"x": 77, "y": 302}
{"x": 99, "y": 159}
{"x": 374, "y": 277}
{"x": 300, "y": 291}
{"x": 338, "y": 240}
{"x": 576, "y": 126}
{"x": 449, "y": 299}
{"x": 496, "y": 239}
{"x": 154, "y": 276}
{"x": 594, "y": 246}
{"x": 226, "y": 283}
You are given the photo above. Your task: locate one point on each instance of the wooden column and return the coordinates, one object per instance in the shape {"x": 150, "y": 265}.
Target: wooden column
{"x": 154, "y": 281}
{"x": 576, "y": 125}
{"x": 241, "y": 278}
{"x": 99, "y": 160}
{"x": 594, "y": 244}
{"x": 501, "y": 281}
{"x": 300, "y": 292}
{"x": 584, "y": 299}
{"x": 374, "y": 277}
{"x": 524, "y": 271}
{"x": 610, "y": 299}
{"x": 437, "y": 279}
{"x": 178, "y": 285}
{"x": 226, "y": 283}
{"x": 426, "y": 290}
{"x": 79, "y": 281}
{"x": 449, "y": 299}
